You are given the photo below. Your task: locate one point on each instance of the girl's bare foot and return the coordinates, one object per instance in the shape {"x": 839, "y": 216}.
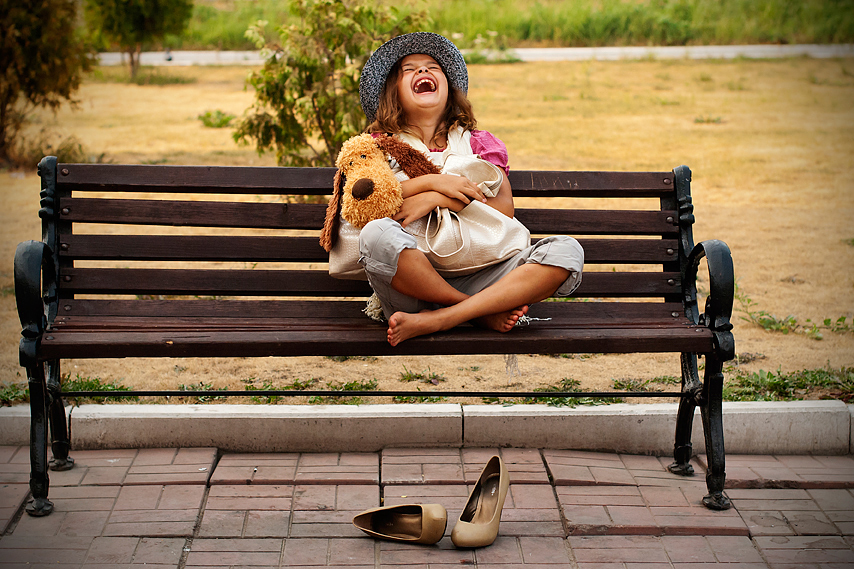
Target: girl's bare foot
{"x": 403, "y": 325}
{"x": 502, "y": 321}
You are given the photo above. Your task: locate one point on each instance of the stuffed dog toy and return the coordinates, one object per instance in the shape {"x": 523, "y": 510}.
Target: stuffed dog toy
{"x": 365, "y": 187}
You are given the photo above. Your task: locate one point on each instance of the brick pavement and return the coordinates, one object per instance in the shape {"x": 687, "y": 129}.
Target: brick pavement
{"x": 190, "y": 508}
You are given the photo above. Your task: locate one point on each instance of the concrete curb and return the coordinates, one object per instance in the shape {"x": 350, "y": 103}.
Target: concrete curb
{"x": 800, "y": 427}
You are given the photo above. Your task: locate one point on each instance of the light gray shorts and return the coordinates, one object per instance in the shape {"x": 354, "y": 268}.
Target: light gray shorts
{"x": 382, "y": 240}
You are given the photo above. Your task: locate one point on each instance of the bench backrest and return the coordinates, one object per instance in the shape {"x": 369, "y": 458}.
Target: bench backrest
{"x": 187, "y": 233}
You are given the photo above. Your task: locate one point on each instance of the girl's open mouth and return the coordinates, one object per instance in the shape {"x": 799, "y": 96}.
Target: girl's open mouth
{"x": 424, "y": 85}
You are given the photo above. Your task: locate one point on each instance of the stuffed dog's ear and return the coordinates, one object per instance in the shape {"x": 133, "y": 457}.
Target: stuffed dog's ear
{"x": 330, "y": 225}
{"x": 413, "y": 162}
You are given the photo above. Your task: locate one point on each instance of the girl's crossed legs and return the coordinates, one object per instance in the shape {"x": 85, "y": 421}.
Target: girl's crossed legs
{"x": 416, "y": 300}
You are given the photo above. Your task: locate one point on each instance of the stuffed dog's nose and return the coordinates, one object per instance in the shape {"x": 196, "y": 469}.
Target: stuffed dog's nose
{"x": 363, "y": 188}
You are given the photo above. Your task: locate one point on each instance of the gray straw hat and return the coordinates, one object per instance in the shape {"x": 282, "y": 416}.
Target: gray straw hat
{"x": 379, "y": 65}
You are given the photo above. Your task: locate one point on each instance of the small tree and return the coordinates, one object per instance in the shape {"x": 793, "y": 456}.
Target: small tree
{"x": 307, "y": 94}
{"x": 132, "y": 23}
{"x": 41, "y": 61}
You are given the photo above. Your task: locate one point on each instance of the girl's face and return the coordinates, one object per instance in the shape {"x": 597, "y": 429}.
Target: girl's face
{"x": 422, "y": 86}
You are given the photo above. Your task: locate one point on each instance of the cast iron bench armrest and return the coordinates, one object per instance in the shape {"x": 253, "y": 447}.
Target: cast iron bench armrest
{"x": 718, "y": 310}
{"x": 31, "y": 257}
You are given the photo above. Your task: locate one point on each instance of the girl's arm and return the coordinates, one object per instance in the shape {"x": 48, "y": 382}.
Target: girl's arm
{"x": 454, "y": 187}
{"x": 503, "y": 202}
{"x": 419, "y": 198}
{"x": 418, "y": 205}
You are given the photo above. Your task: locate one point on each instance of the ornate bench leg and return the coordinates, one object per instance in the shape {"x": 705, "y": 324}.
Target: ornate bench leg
{"x": 682, "y": 448}
{"x": 60, "y": 443}
{"x": 39, "y": 481}
{"x": 714, "y": 431}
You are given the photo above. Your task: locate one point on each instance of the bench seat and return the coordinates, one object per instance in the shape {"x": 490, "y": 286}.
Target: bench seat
{"x": 203, "y": 261}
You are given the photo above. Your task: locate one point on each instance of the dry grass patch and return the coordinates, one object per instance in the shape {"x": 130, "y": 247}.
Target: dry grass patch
{"x": 773, "y": 178}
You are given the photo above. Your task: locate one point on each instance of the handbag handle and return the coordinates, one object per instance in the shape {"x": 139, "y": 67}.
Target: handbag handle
{"x": 464, "y": 233}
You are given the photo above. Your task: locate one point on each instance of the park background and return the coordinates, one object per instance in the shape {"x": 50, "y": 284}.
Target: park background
{"x": 770, "y": 143}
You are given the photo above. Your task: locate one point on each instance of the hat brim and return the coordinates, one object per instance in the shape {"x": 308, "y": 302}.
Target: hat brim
{"x": 376, "y": 70}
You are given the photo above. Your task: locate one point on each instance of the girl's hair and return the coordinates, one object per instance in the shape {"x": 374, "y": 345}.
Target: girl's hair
{"x": 391, "y": 118}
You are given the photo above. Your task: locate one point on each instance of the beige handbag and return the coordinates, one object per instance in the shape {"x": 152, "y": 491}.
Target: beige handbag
{"x": 344, "y": 256}
{"x": 464, "y": 242}
{"x": 456, "y": 243}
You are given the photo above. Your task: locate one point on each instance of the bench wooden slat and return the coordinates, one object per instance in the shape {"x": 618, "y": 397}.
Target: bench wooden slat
{"x": 310, "y": 216}
{"x": 303, "y": 249}
{"x": 83, "y": 309}
{"x": 193, "y": 213}
{"x": 194, "y": 179}
{"x": 370, "y": 340}
{"x": 310, "y": 283}
{"x": 318, "y": 181}
{"x": 588, "y": 184}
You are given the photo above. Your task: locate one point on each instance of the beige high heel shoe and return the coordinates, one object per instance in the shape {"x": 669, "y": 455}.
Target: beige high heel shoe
{"x": 478, "y": 524}
{"x": 412, "y": 523}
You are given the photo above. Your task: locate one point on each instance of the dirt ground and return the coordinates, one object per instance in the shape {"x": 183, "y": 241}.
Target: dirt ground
{"x": 771, "y": 145}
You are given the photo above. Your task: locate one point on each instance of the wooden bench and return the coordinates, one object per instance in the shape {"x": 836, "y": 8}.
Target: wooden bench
{"x": 97, "y": 286}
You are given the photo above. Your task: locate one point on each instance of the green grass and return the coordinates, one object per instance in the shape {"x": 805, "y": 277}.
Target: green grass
{"x": 826, "y": 383}
{"x": 418, "y": 398}
{"x": 267, "y": 385}
{"x": 569, "y": 385}
{"x": 13, "y": 393}
{"x": 788, "y": 324}
{"x": 94, "y": 384}
{"x": 511, "y": 23}
{"x": 424, "y": 377}
{"x": 369, "y": 385}
{"x": 202, "y": 386}
{"x": 216, "y": 119}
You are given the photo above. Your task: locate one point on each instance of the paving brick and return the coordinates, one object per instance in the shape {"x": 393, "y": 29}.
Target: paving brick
{"x": 452, "y": 496}
{"x": 38, "y": 552}
{"x": 544, "y": 550}
{"x": 152, "y": 550}
{"x": 444, "y": 552}
{"x": 731, "y": 549}
{"x": 688, "y": 549}
{"x": 747, "y": 471}
{"x": 7, "y": 452}
{"x": 236, "y": 552}
{"x": 256, "y": 468}
{"x": 603, "y": 510}
{"x": 766, "y": 523}
{"x": 338, "y": 468}
{"x": 306, "y": 552}
{"x": 244, "y": 498}
{"x": 218, "y": 523}
{"x": 568, "y": 468}
{"x": 504, "y": 550}
{"x": 95, "y": 467}
{"x": 12, "y": 497}
{"x": 328, "y": 511}
{"x": 793, "y": 511}
{"x": 112, "y": 550}
{"x": 833, "y": 499}
{"x": 351, "y": 551}
{"x": 14, "y": 473}
{"x": 618, "y": 549}
{"x": 414, "y": 466}
{"x": 525, "y": 466}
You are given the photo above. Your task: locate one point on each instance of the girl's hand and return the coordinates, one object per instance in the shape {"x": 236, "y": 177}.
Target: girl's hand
{"x": 454, "y": 187}
{"x": 418, "y": 205}
{"x": 459, "y": 188}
